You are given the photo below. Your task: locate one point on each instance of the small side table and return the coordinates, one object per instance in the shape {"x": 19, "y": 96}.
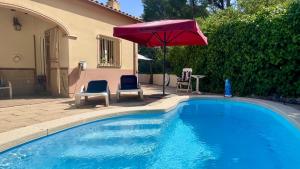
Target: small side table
{"x": 198, "y": 77}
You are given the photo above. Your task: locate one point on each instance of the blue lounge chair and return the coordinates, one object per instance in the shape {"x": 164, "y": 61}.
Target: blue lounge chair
{"x": 94, "y": 88}
{"x": 129, "y": 84}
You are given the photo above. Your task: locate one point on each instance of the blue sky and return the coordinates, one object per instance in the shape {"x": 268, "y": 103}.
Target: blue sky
{"x": 133, "y": 7}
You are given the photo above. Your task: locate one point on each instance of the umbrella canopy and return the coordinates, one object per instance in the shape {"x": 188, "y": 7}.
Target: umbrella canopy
{"x": 141, "y": 57}
{"x": 163, "y": 33}
{"x": 177, "y": 32}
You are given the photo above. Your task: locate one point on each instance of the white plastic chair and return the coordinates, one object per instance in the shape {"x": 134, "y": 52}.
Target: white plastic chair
{"x": 184, "y": 82}
{"x": 6, "y": 86}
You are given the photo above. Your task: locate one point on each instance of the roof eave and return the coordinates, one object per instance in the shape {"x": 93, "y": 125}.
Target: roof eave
{"x": 95, "y": 2}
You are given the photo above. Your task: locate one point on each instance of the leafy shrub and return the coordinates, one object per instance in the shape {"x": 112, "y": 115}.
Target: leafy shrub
{"x": 259, "y": 52}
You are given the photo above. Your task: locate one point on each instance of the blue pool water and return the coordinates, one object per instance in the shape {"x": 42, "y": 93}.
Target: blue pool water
{"x": 198, "y": 134}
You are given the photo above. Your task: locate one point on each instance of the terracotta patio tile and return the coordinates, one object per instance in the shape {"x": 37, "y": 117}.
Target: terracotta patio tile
{"x": 20, "y": 112}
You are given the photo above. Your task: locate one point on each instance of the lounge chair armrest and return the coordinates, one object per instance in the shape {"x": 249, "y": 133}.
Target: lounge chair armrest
{"x": 139, "y": 86}
{"x": 107, "y": 88}
{"x": 9, "y": 84}
{"x": 82, "y": 89}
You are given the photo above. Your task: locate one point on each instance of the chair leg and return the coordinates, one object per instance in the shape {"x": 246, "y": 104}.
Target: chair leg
{"x": 179, "y": 87}
{"x": 77, "y": 100}
{"x": 109, "y": 96}
{"x": 106, "y": 101}
{"x": 188, "y": 89}
{"x": 141, "y": 95}
{"x": 10, "y": 93}
{"x": 118, "y": 95}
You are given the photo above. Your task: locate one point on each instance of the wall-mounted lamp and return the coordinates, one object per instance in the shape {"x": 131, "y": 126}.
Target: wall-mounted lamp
{"x": 17, "y": 24}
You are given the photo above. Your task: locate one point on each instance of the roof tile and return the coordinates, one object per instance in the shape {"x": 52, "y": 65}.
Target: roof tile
{"x": 115, "y": 10}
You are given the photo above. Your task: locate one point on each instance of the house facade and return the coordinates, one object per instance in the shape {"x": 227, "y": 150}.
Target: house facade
{"x": 54, "y": 47}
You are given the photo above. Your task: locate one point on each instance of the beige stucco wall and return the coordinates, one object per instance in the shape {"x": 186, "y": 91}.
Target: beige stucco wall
{"x": 21, "y": 72}
{"x": 19, "y": 42}
{"x": 22, "y": 82}
{"x": 81, "y": 22}
{"x": 90, "y": 22}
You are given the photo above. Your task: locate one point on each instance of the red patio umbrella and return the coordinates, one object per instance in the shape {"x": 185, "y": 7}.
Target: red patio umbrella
{"x": 163, "y": 33}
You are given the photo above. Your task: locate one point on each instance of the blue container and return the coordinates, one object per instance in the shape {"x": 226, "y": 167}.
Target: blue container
{"x": 228, "y": 88}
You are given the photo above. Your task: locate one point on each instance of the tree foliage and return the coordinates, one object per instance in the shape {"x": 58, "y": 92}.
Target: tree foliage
{"x": 255, "y": 43}
{"x": 156, "y": 64}
{"x": 220, "y": 4}
{"x": 173, "y": 9}
{"x": 259, "y": 52}
{"x": 252, "y": 6}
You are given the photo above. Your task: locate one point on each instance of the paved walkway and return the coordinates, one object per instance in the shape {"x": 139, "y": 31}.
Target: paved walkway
{"x": 21, "y": 112}
{"x": 23, "y": 120}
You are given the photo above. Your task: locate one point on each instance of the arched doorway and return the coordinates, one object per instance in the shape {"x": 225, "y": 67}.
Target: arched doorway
{"x": 33, "y": 53}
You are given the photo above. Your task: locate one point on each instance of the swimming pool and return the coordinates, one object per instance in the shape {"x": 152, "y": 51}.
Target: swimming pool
{"x": 198, "y": 134}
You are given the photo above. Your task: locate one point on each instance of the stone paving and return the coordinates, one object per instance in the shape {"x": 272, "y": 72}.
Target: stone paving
{"x": 23, "y": 120}
{"x": 21, "y": 112}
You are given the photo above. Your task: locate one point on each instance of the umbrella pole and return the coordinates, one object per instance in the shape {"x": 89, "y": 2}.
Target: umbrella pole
{"x": 164, "y": 62}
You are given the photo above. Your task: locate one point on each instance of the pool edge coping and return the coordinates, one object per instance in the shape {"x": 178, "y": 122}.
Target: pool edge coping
{"x": 26, "y": 134}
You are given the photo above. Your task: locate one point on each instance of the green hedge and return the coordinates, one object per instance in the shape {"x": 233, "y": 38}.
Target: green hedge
{"x": 259, "y": 52}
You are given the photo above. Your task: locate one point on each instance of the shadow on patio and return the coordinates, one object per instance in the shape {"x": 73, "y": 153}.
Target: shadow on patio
{"x": 21, "y": 112}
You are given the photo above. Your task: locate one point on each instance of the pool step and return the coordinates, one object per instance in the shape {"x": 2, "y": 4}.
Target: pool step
{"x": 134, "y": 122}
{"x": 126, "y": 128}
{"x": 103, "y": 151}
{"x": 150, "y": 126}
{"x": 119, "y": 141}
{"x": 122, "y": 133}
{"x": 119, "y": 138}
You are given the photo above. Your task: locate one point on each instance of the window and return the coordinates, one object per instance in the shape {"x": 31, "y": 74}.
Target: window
{"x": 108, "y": 52}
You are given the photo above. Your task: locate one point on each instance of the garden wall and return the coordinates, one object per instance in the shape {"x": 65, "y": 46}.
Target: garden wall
{"x": 157, "y": 79}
